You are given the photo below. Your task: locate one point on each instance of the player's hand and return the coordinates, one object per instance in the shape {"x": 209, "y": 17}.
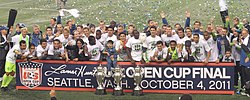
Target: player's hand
{"x": 133, "y": 62}
{"x": 227, "y": 18}
{"x": 206, "y": 62}
{"x": 162, "y": 14}
{"x": 169, "y": 61}
{"x": 217, "y": 61}
{"x": 52, "y": 92}
{"x": 246, "y": 60}
{"x": 67, "y": 59}
{"x": 76, "y": 59}
{"x": 188, "y": 14}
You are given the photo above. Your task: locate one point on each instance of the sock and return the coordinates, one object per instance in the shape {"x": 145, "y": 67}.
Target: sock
{"x": 9, "y": 80}
{"x": 5, "y": 79}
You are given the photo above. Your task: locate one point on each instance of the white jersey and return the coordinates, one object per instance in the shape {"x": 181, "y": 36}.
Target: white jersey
{"x": 63, "y": 40}
{"x": 182, "y": 40}
{"x": 95, "y": 51}
{"x": 17, "y": 38}
{"x": 161, "y": 54}
{"x": 40, "y": 50}
{"x": 167, "y": 39}
{"x": 200, "y": 50}
{"x": 55, "y": 52}
{"x": 214, "y": 49}
{"x": 113, "y": 38}
{"x": 11, "y": 55}
{"x": 151, "y": 44}
{"x": 136, "y": 46}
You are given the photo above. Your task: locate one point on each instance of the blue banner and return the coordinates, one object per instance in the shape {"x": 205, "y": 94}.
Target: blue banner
{"x": 181, "y": 76}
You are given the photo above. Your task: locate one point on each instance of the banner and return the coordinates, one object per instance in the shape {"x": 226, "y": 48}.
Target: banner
{"x": 158, "y": 78}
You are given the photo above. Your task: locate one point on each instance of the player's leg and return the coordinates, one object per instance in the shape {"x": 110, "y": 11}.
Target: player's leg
{"x": 10, "y": 69}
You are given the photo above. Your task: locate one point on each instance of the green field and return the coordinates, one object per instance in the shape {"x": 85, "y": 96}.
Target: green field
{"x": 135, "y": 12}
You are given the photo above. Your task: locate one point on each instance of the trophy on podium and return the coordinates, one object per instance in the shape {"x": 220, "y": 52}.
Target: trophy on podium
{"x": 100, "y": 75}
{"x": 138, "y": 75}
{"x": 118, "y": 91}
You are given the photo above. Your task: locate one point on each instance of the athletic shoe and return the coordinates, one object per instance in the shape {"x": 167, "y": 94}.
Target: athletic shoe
{"x": 1, "y": 78}
{"x": 4, "y": 89}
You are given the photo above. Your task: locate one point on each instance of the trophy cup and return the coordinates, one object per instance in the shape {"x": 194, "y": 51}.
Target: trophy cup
{"x": 118, "y": 91}
{"x": 100, "y": 75}
{"x": 138, "y": 74}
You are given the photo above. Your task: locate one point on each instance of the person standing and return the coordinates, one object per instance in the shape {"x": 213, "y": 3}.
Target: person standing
{"x": 3, "y": 49}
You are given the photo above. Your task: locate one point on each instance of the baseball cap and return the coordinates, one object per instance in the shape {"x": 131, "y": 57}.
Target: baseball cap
{"x": 21, "y": 25}
{"x": 4, "y": 28}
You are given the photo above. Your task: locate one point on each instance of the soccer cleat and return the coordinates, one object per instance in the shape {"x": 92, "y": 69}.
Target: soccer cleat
{"x": 4, "y": 89}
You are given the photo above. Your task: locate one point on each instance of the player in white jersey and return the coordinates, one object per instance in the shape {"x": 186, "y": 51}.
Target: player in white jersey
{"x": 159, "y": 53}
{"x": 200, "y": 49}
{"x": 168, "y": 36}
{"x": 95, "y": 49}
{"x": 213, "y": 45}
{"x": 151, "y": 43}
{"x": 10, "y": 65}
{"x": 135, "y": 46}
{"x": 42, "y": 49}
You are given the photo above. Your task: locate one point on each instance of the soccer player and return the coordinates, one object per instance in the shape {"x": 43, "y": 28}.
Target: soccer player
{"x": 42, "y": 50}
{"x": 173, "y": 54}
{"x": 135, "y": 47}
{"x": 151, "y": 43}
{"x": 168, "y": 36}
{"x": 201, "y": 48}
{"x": 121, "y": 48}
{"x": 95, "y": 49}
{"x": 110, "y": 35}
{"x": 23, "y": 36}
{"x": 212, "y": 44}
{"x": 31, "y": 54}
{"x": 159, "y": 53}
{"x": 65, "y": 37}
{"x": 56, "y": 51}
{"x": 10, "y": 65}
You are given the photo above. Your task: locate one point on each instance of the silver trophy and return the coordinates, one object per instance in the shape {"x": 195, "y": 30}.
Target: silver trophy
{"x": 138, "y": 75}
{"x": 100, "y": 75}
{"x": 118, "y": 91}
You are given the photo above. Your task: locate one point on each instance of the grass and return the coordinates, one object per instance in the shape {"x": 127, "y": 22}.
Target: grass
{"x": 122, "y": 11}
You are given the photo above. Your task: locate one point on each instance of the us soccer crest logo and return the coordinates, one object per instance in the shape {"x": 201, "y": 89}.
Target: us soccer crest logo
{"x": 30, "y": 74}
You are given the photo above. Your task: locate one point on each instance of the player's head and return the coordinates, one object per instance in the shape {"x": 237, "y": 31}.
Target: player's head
{"x": 53, "y": 21}
{"x": 76, "y": 34}
{"x": 206, "y": 35}
{"x": 188, "y": 46}
{"x": 228, "y": 53}
{"x": 188, "y": 32}
{"x": 151, "y": 23}
{"x": 49, "y": 30}
{"x": 3, "y": 29}
{"x": 110, "y": 43}
{"x": 23, "y": 45}
{"x": 186, "y": 97}
{"x": 159, "y": 45}
{"x": 24, "y": 31}
{"x": 236, "y": 20}
{"x": 180, "y": 32}
{"x": 120, "y": 28}
{"x": 66, "y": 33}
{"x": 196, "y": 37}
{"x": 136, "y": 34}
{"x": 177, "y": 26}
{"x": 168, "y": 30}
{"x": 173, "y": 44}
{"x": 32, "y": 47}
{"x": 110, "y": 31}
{"x": 92, "y": 40}
{"x": 122, "y": 36}
{"x": 197, "y": 24}
{"x": 56, "y": 43}
{"x": 43, "y": 43}
{"x": 79, "y": 43}
{"x": 153, "y": 30}
{"x": 86, "y": 31}
{"x": 98, "y": 34}
{"x": 244, "y": 32}
{"x": 36, "y": 29}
